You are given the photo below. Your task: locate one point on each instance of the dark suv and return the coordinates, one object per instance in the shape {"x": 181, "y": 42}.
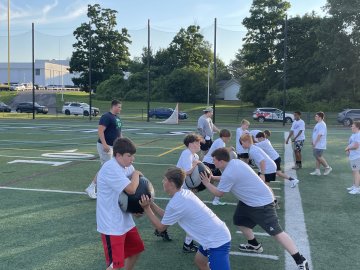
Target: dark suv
{"x": 28, "y": 107}
{"x": 348, "y": 116}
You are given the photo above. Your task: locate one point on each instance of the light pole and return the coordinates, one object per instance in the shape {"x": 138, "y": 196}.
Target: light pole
{"x": 208, "y": 86}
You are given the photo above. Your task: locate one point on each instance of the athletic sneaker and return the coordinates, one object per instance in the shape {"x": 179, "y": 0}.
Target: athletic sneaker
{"x": 163, "y": 234}
{"x": 296, "y": 167}
{"x": 351, "y": 188}
{"x": 294, "y": 182}
{"x": 316, "y": 172}
{"x": 217, "y": 202}
{"x": 250, "y": 248}
{"x": 91, "y": 192}
{"x": 303, "y": 266}
{"x": 327, "y": 170}
{"x": 191, "y": 248}
{"x": 354, "y": 191}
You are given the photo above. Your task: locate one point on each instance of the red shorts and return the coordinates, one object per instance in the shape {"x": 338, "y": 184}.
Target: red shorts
{"x": 119, "y": 247}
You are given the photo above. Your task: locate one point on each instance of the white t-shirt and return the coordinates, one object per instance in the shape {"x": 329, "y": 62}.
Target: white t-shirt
{"x": 112, "y": 179}
{"x": 197, "y": 220}
{"x": 239, "y": 133}
{"x": 186, "y": 160}
{"x": 253, "y": 133}
{"x": 296, "y": 126}
{"x": 218, "y": 143}
{"x": 239, "y": 179}
{"x": 258, "y": 155}
{"x": 268, "y": 149}
{"x": 320, "y": 129}
{"x": 354, "y": 154}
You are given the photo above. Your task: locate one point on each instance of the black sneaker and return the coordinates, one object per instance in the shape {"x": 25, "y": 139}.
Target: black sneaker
{"x": 163, "y": 234}
{"x": 304, "y": 265}
{"x": 250, "y": 248}
{"x": 191, "y": 248}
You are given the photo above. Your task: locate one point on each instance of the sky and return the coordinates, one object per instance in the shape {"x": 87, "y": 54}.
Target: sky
{"x": 55, "y": 21}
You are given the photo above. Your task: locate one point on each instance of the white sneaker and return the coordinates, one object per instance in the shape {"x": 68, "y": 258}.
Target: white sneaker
{"x": 351, "y": 188}
{"x": 354, "y": 191}
{"x": 316, "y": 172}
{"x": 294, "y": 183}
{"x": 327, "y": 170}
{"x": 91, "y": 192}
{"x": 217, "y": 202}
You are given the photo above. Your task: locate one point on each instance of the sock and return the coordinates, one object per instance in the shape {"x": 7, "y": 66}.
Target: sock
{"x": 188, "y": 240}
{"x": 298, "y": 258}
{"x": 290, "y": 178}
{"x": 253, "y": 242}
{"x": 92, "y": 185}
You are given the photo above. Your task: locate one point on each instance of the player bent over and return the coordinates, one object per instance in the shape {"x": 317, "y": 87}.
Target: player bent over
{"x": 121, "y": 240}
{"x": 186, "y": 209}
{"x": 255, "y": 206}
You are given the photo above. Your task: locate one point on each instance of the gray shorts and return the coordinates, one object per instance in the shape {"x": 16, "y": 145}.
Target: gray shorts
{"x": 264, "y": 216}
{"x": 104, "y": 156}
{"x": 318, "y": 152}
{"x": 355, "y": 164}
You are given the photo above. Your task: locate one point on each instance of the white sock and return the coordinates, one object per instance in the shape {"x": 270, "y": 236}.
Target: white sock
{"x": 216, "y": 199}
{"x": 92, "y": 185}
{"x": 188, "y": 240}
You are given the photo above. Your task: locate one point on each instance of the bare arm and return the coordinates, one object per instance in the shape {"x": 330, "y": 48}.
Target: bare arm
{"x": 213, "y": 189}
{"x": 316, "y": 140}
{"x": 131, "y": 188}
{"x": 288, "y": 138}
{"x": 158, "y": 210}
{"x": 145, "y": 204}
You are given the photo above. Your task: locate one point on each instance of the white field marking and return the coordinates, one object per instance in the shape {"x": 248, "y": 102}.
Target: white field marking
{"x": 276, "y": 188}
{"x": 66, "y": 155}
{"x": 256, "y": 233}
{"x": 52, "y": 163}
{"x": 257, "y": 255}
{"x": 207, "y": 202}
{"x": 294, "y": 215}
{"x": 45, "y": 190}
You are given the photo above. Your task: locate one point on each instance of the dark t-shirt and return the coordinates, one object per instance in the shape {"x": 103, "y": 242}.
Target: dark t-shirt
{"x": 113, "y": 126}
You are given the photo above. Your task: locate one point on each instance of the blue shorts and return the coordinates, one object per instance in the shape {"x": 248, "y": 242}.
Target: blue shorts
{"x": 219, "y": 258}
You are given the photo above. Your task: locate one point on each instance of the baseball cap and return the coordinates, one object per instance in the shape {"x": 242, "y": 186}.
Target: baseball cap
{"x": 208, "y": 109}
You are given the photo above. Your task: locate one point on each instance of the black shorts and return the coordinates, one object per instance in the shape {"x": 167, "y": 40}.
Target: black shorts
{"x": 206, "y": 146}
{"x": 215, "y": 171}
{"x": 264, "y": 216}
{"x": 278, "y": 163}
{"x": 269, "y": 177}
{"x": 243, "y": 155}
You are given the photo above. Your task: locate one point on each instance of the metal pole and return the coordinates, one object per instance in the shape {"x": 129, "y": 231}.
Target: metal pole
{"x": 8, "y": 44}
{"x": 90, "y": 70}
{"x": 208, "y": 92}
{"x": 214, "y": 89}
{"x": 285, "y": 71}
{"x": 33, "y": 71}
{"x": 148, "y": 75}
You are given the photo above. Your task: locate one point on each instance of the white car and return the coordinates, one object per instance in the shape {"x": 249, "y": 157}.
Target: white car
{"x": 271, "y": 114}
{"x": 17, "y": 87}
{"x": 79, "y": 108}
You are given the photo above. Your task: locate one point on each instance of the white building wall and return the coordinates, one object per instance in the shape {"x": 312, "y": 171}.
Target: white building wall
{"x": 231, "y": 92}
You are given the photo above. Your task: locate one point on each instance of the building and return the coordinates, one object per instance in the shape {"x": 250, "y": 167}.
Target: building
{"x": 47, "y": 72}
{"x": 228, "y": 90}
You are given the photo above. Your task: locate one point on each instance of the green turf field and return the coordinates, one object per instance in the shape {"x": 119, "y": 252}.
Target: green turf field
{"x": 47, "y": 222}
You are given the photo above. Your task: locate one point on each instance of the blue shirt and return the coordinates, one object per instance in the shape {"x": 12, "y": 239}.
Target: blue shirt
{"x": 113, "y": 126}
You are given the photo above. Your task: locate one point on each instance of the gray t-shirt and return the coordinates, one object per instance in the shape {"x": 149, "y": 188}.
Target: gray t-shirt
{"x": 205, "y": 127}
{"x": 239, "y": 179}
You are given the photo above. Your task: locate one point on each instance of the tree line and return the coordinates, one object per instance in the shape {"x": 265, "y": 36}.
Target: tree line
{"x": 323, "y": 59}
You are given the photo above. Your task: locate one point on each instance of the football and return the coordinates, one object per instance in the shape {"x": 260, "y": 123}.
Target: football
{"x": 130, "y": 203}
{"x": 193, "y": 181}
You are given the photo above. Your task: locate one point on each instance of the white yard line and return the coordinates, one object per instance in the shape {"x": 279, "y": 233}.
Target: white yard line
{"x": 294, "y": 214}
{"x": 263, "y": 256}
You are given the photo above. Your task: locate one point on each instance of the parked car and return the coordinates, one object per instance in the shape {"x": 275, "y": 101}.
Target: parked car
{"x": 4, "y": 107}
{"x": 79, "y": 108}
{"x": 348, "y": 116}
{"x": 271, "y": 114}
{"x": 28, "y": 108}
{"x": 165, "y": 113}
{"x": 17, "y": 87}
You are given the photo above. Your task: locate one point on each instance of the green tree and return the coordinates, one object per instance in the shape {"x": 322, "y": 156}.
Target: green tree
{"x": 109, "y": 48}
{"x": 258, "y": 55}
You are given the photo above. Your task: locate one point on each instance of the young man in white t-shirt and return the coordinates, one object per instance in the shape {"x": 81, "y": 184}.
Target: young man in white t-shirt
{"x": 241, "y": 152}
{"x": 297, "y": 131}
{"x": 188, "y": 161}
{"x": 353, "y": 152}
{"x": 121, "y": 240}
{"x": 255, "y": 207}
{"x": 186, "y": 209}
{"x": 225, "y": 136}
{"x": 266, "y": 146}
{"x": 319, "y": 137}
